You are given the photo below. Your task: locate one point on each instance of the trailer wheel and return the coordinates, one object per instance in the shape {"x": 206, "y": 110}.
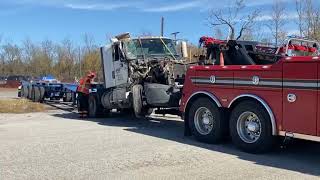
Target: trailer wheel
{"x": 25, "y": 91}
{"x": 30, "y": 92}
{"x": 21, "y": 92}
{"x": 206, "y": 121}
{"x": 250, "y": 127}
{"x": 42, "y": 91}
{"x": 67, "y": 97}
{"x": 36, "y": 94}
{"x": 95, "y": 108}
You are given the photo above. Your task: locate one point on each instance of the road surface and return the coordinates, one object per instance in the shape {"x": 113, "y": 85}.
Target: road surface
{"x": 58, "y": 145}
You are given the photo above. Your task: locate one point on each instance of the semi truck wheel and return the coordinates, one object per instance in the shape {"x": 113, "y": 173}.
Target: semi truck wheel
{"x": 137, "y": 100}
{"x": 250, "y": 127}
{"x": 95, "y": 109}
{"x": 206, "y": 121}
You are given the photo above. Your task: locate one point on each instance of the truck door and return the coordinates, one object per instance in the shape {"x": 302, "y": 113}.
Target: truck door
{"x": 300, "y": 96}
{"x": 120, "y": 66}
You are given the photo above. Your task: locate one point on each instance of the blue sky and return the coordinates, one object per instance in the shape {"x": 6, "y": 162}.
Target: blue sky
{"x": 59, "y": 19}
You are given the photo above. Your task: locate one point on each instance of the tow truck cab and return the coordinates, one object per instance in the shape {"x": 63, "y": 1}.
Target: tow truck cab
{"x": 255, "y": 102}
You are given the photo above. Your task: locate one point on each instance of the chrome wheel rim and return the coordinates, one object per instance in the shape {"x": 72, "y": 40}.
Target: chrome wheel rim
{"x": 249, "y": 127}
{"x": 203, "y": 121}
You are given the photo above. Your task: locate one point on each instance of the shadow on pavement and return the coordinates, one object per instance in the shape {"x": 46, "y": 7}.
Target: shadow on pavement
{"x": 298, "y": 156}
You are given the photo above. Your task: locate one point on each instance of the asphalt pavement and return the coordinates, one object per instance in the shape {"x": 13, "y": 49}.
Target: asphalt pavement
{"x": 57, "y": 144}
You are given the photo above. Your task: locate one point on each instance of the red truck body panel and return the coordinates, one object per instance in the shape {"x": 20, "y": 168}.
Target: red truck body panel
{"x": 294, "y": 76}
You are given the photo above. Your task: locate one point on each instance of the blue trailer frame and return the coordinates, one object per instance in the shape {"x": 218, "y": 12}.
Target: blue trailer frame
{"x": 39, "y": 91}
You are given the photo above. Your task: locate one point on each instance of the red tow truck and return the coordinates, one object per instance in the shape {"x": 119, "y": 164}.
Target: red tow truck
{"x": 254, "y": 93}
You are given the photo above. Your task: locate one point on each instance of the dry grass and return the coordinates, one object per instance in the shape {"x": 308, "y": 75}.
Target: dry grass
{"x": 20, "y": 106}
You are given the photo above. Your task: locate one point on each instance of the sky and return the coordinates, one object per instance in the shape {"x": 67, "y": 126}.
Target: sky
{"x": 59, "y": 19}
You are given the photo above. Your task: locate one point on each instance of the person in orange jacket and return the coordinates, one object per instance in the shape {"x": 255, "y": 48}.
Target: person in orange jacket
{"x": 83, "y": 93}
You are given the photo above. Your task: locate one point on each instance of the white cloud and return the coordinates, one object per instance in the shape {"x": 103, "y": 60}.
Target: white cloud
{"x": 99, "y": 5}
{"x": 175, "y": 7}
{"x": 290, "y": 16}
{"x": 104, "y": 6}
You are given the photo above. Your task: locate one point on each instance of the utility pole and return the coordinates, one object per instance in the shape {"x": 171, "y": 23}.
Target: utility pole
{"x": 80, "y": 64}
{"x": 162, "y": 26}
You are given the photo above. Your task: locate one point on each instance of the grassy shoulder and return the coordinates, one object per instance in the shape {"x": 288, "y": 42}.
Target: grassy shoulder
{"x": 20, "y": 106}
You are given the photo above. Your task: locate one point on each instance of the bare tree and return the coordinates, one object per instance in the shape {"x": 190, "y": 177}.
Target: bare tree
{"x": 218, "y": 33}
{"x": 89, "y": 42}
{"x": 12, "y": 56}
{"x": 231, "y": 18}
{"x": 312, "y": 13}
{"x": 277, "y": 22}
{"x": 301, "y": 16}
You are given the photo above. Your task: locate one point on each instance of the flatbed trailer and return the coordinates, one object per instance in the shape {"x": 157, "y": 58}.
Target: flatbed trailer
{"x": 40, "y": 91}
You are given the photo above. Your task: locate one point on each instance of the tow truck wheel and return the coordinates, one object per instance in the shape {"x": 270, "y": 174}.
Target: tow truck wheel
{"x": 250, "y": 127}
{"x": 206, "y": 121}
{"x": 137, "y": 100}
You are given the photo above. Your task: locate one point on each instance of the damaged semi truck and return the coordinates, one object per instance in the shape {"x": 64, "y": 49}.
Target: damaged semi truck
{"x": 140, "y": 75}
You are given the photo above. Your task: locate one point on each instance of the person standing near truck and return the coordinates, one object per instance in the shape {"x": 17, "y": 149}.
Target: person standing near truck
{"x": 83, "y": 93}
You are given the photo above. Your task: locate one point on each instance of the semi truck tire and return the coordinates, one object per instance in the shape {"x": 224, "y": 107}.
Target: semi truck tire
{"x": 36, "y": 94}
{"x": 250, "y": 127}
{"x": 137, "y": 100}
{"x": 206, "y": 121}
{"x": 95, "y": 108}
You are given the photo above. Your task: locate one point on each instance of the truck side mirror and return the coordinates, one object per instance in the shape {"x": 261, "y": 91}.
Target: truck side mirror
{"x": 184, "y": 49}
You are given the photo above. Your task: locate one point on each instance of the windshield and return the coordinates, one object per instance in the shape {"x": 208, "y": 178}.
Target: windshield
{"x": 150, "y": 47}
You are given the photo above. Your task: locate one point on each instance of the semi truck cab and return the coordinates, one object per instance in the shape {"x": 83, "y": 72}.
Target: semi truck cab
{"x": 140, "y": 74}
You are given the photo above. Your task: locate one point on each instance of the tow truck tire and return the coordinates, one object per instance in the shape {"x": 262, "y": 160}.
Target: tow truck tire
{"x": 137, "y": 100}
{"x": 95, "y": 109}
{"x": 250, "y": 128}
{"x": 36, "y": 94}
{"x": 206, "y": 121}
